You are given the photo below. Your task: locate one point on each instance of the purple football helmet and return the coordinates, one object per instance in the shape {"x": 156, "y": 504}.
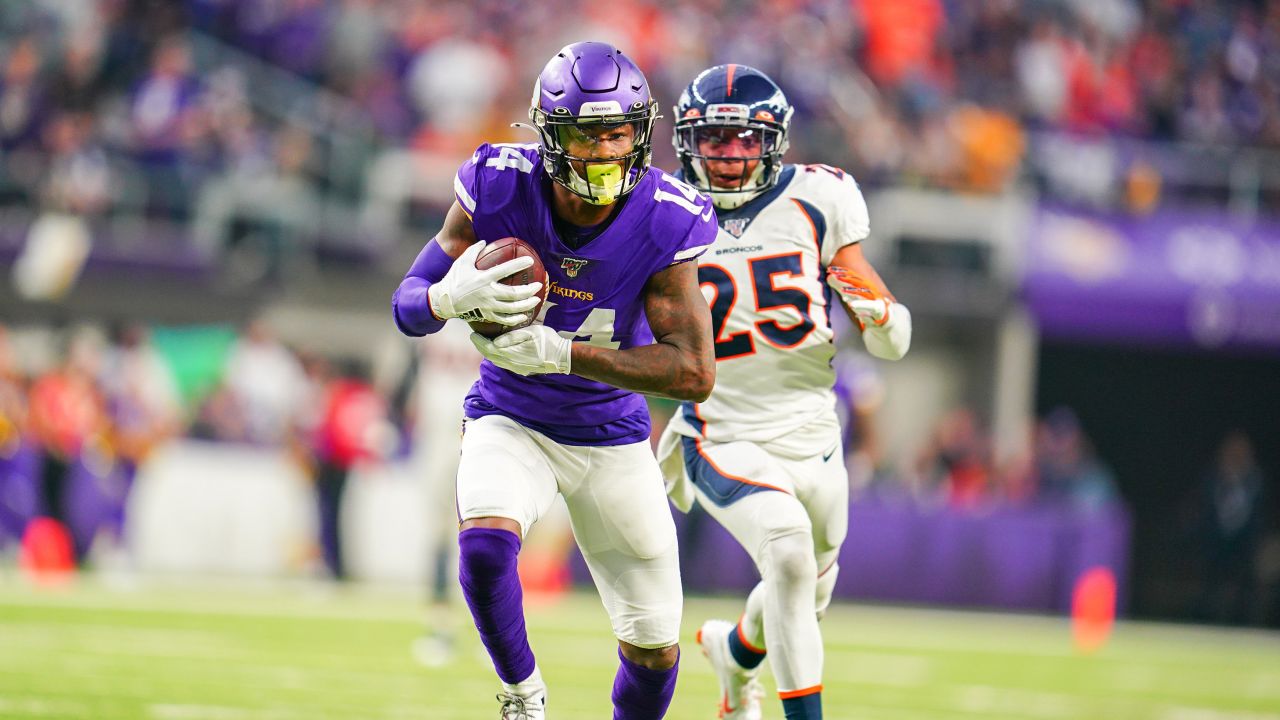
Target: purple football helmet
{"x": 593, "y": 84}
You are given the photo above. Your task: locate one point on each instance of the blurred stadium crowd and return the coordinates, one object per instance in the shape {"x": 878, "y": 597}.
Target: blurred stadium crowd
{"x": 188, "y": 107}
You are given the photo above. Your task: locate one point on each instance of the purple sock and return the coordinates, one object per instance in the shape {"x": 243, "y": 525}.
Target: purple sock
{"x": 640, "y": 693}
{"x": 487, "y": 571}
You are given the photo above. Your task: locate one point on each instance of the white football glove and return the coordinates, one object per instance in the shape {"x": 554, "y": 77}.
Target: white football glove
{"x": 532, "y": 350}
{"x": 886, "y": 334}
{"x": 866, "y": 302}
{"x": 472, "y": 294}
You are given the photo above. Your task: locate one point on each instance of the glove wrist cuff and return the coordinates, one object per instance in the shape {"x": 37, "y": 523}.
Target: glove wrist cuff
{"x": 566, "y": 355}
{"x": 884, "y": 319}
{"x": 438, "y": 303}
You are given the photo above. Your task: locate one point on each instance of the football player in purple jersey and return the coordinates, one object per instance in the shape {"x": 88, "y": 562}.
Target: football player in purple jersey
{"x": 557, "y": 409}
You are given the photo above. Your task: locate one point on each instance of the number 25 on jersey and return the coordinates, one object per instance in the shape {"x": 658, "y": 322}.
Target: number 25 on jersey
{"x": 768, "y": 295}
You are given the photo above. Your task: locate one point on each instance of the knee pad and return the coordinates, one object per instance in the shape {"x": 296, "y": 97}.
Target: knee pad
{"x": 486, "y": 553}
{"x": 789, "y": 559}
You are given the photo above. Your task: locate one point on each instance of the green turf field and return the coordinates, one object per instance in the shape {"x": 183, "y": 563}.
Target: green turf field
{"x": 182, "y": 652}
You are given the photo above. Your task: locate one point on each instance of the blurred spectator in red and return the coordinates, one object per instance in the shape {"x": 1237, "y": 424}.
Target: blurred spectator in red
{"x": 1100, "y": 93}
{"x": 957, "y": 461}
{"x": 1067, "y": 470}
{"x": 1232, "y": 527}
{"x": 69, "y": 422}
{"x": 345, "y": 430}
{"x": 901, "y": 39}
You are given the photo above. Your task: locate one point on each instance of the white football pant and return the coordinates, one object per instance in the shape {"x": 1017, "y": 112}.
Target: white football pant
{"x": 792, "y": 522}
{"x": 617, "y": 508}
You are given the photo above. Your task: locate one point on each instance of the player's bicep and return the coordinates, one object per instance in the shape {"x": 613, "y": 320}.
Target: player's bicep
{"x": 458, "y": 233}
{"x": 676, "y": 311}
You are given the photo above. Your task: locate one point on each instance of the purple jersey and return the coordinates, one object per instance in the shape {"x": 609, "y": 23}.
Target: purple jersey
{"x": 595, "y": 293}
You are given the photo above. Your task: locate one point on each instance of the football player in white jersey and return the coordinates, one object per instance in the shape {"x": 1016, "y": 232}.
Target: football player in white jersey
{"x": 763, "y": 454}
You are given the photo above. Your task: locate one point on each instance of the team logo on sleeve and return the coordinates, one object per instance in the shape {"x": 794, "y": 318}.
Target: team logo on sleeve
{"x": 736, "y": 226}
{"x": 571, "y": 266}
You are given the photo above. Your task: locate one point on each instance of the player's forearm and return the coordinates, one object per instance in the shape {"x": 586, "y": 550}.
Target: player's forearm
{"x": 411, "y": 308}
{"x": 658, "y": 369}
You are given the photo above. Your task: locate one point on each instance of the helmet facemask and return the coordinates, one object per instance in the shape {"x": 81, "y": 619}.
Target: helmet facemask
{"x": 599, "y": 181}
{"x": 695, "y": 141}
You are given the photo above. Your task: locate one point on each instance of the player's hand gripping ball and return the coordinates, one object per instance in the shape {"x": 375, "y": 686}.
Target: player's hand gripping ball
{"x": 500, "y": 251}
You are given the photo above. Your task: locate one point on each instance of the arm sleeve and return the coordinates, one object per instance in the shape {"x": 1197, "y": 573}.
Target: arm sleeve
{"x": 410, "y": 304}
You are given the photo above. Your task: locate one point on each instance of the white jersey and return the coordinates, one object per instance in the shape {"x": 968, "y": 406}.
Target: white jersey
{"x": 765, "y": 279}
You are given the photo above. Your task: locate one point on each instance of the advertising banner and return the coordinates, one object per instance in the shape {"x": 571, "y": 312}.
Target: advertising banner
{"x": 1182, "y": 278}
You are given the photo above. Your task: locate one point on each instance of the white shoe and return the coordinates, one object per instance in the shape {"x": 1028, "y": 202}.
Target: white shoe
{"x": 526, "y": 700}
{"x": 740, "y": 691}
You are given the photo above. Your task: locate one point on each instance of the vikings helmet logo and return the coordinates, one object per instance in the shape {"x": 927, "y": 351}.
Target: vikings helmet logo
{"x": 571, "y": 266}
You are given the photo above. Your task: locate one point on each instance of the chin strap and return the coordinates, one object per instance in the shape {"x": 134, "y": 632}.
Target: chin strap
{"x": 731, "y": 199}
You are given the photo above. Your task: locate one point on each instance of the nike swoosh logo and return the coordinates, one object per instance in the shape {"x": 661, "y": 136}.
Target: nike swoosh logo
{"x": 827, "y": 455}
{"x": 707, "y": 215}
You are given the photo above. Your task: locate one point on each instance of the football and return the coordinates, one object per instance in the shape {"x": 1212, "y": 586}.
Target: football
{"x": 498, "y": 252}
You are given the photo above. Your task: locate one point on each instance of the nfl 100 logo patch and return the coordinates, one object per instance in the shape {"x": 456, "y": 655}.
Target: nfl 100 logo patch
{"x": 572, "y": 266}
{"x": 736, "y": 226}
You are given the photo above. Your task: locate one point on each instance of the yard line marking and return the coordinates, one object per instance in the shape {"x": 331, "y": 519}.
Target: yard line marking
{"x": 1182, "y": 712}
{"x": 888, "y": 669}
{"x": 163, "y": 711}
{"x": 40, "y": 706}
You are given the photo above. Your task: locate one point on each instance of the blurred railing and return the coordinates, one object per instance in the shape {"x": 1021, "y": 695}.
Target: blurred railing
{"x": 212, "y": 210}
{"x": 1131, "y": 174}
{"x": 343, "y": 134}
{"x": 343, "y": 140}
